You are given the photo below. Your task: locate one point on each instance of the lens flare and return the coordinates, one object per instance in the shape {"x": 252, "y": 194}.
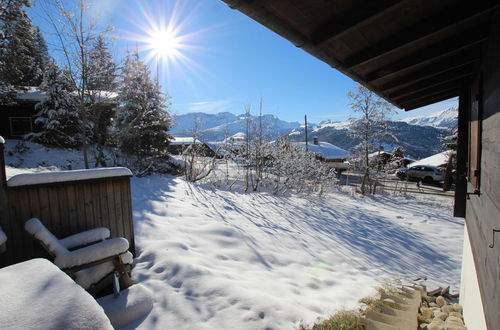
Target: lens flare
{"x": 165, "y": 34}
{"x": 165, "y": 44}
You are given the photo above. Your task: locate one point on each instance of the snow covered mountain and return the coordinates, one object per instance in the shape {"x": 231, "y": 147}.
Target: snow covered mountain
{"x": 442, "y": 119}
{"x": 417, "y": 141}
{"x": 420, "y": 136}
{"x": 216, "y": 127}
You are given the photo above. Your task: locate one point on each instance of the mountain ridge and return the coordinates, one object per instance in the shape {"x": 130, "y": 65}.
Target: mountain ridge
{"x": 420, "y": 136}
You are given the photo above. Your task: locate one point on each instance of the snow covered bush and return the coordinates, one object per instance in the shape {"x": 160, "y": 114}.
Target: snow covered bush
{"x": 58, "y": 118}
{"x": 274, "y": 166}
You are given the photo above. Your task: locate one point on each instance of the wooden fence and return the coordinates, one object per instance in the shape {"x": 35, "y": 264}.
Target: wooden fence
{"x": 65, "y": 208}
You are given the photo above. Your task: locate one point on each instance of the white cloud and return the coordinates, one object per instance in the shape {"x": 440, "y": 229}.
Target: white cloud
{"x": 211, "y": 106}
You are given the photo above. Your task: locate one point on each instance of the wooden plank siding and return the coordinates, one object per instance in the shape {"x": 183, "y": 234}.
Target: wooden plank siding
{"x": 66, "y": 208}
{"x": 483, "y": 207}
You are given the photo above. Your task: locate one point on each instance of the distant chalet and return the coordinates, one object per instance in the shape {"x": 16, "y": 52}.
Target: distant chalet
{"x": 17, "y": 118}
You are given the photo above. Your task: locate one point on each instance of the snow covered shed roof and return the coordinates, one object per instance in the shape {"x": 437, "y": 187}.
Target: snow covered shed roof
{"x": 34, "y": 94}
{"x": 325, "y": 149}
{"x": 65, "y": 176}
{"x": 439, "y": 159}
{"x": 185, "y": 140}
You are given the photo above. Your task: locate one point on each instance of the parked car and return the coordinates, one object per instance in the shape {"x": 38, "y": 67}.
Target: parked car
{"x": 401, "y": 173}
{"x": 424, "y": 173}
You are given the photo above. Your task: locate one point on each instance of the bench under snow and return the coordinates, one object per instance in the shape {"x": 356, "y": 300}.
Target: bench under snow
{"x": 27, "y": 179}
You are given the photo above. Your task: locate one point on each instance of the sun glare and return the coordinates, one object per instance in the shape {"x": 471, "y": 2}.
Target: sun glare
{"x": 164, "y": 44}
{"x": 163, "y": 33}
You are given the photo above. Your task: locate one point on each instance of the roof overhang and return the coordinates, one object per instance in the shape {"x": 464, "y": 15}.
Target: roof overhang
{"x": 410, "y": 52}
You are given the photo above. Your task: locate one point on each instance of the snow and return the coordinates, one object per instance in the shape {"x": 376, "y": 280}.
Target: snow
{"x": 132, "y": 304}
{"x": 434, "y": 160}
{"x": 63, "y": 176}
{"x": 37, "y": 295}
{"x": 93, "y": 275}
{"x": 218, "y": 259}
{"x": 67, "y": 259}
{"x": 442, "y": 119}
{"x": 339, "y": 125}
{"x": 85, "y": 237}
{"x": 184, "y": 140}
{"x": 36, "y": 95}
{"x": 325, "y": 149}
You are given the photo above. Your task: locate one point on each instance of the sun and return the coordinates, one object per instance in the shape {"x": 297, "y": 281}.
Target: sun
{"x": 165, "y": 33}
{"x": 164, "y": 43}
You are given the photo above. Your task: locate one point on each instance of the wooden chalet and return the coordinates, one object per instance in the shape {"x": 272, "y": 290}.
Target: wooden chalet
{"x": 180, "y": 145}
{"x": 414, "y": 53}
{"x": 17, "y": 118}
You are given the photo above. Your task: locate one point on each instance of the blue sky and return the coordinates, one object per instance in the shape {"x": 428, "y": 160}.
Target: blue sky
{"x": 225, "y": 61}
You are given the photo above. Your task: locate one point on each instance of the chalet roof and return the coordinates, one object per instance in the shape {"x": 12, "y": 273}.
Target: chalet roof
{"x": 411, "y": 52}
{"x": 439, "y": 159}
{"x": 325, "y": 149}
{"x": 34, "y": 94}
{"x": 185, "y": 140}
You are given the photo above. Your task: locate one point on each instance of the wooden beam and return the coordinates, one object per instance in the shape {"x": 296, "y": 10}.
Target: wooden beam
{"x": 438, "y": 23}
{"x": 458, "y": 60}
{"x": 434, "y": 52}
{"x": 344, "y": 22}
{"x": 434, "y": 99}
{"x": 464, "y": 102}
{"x": 437, "y": 80}
{"x": 429, "y": 92}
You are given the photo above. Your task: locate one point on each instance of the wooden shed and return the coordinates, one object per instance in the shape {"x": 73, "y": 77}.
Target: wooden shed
{"x": 414, "y": 53}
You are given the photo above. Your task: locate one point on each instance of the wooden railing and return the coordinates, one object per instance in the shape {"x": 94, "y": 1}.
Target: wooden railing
{"x": 65, "y": 207}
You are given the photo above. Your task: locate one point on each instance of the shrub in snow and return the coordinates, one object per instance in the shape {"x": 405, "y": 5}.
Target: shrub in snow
{"x": 276, "y": 166}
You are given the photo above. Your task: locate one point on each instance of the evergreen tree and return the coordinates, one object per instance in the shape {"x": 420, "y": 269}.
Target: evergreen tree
{"x": 102, "y": 79}
{"x": 57, "y": 115}
{"x": 23, "y": 51}
{"x": 142, "y": 118}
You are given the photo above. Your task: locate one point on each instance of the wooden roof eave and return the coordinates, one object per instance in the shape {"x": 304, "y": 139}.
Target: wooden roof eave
{"x": 259, "y": 14}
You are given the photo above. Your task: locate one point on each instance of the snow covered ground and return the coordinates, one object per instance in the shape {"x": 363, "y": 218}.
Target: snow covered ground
{"x": 217, "y": 259}
{"x": 224, "y": 260}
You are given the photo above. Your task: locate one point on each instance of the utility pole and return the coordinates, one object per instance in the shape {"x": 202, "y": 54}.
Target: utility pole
{"x": 305, "y": 119}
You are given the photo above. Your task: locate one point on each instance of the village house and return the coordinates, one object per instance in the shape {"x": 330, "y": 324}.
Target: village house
{"x": 17, "y": 117}
{"x": 335, "y": 156}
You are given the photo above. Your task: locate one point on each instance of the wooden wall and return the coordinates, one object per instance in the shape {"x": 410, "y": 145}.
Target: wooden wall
{"x": 483, "y": 210}
{"x": 65, "y": 209}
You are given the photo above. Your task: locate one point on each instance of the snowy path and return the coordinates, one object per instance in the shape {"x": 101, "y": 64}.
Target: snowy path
{"x": 224, "y": 260}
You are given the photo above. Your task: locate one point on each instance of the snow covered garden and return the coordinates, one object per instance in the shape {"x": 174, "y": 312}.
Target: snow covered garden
{"x": 215, "y": 258}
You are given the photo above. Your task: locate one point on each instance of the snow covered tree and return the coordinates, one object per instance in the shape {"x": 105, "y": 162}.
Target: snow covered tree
{"x": 368, "y": 126}
{"x": 142, "y": 121}
{"x": 102, "y": 82}
{"x": 397, "y": 159}
{"x": 23, "y": 51}
{"x": 57, "y": 115}
{"x": 75, "y": 31}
